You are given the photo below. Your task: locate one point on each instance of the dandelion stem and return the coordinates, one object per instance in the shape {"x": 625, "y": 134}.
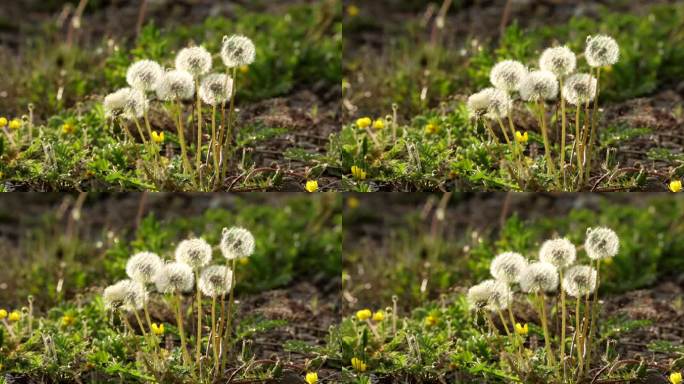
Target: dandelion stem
{"x": 563, "y": 314}
{"x": 578, "y": 332}
{"x": 578, "y": 143}
{"x": 215, "y": 337}
{"x": 216, "y": 145}
{"x": 545, "y": 327}
{"x": 594, "y": 123}
{"x": 562, "y": 148}
{"x": 594, "y": 313}
{"x": 198, "y": 342}
{"x": 229, "y": 130}
{"x": 198, "y": 155}
{"x": 503, "y": 322}
{"x": 229, "y": 317}
{"x": 179, "y": 319}
{"x": 181, "y": 138}
{"x": 545, "y": 136}
{"x": 140, "y": 323}
{"x": 140, "y": 131}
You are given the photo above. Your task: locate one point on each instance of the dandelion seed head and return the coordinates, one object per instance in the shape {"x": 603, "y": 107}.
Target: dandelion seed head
{"x": 507, "y": 75}
{"x": 194, "y": 60}
{"x": 539, "y": 277}
{"x": 144, "y": 75}
{"x": 216, "y": 89}
{"x": 237, "y": 51}
{"x": 490, "y": 294}
{"x": 215, "y": 280}
{"x": 579, "y": 88}
{"x": 143, "y": 267}
{"x": 539, "y": 86}
{"x": 237, "y": 243}
{"x": 508, "y": 267}
{"x": 176, "y": 85}
{"x": 127, "y": 103}
{"x": 127, "y": 295}
{"x": 601, "y": 50}
{"x": 559, "y": 252}
{"x": 175, "y": 278}
{"x": 601, "y": 243}
{"x": 194, "y": 252}
{"x": 490, "y": 102}
{"x": 560, "y": 61}
{"x": 579, "y": 280}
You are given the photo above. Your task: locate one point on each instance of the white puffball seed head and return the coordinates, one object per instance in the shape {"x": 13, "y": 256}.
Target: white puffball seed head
{"x": 127, "y": 103}
{"x": 539, "y": 86}
{"x": 560, "y": 61}
{"x": 143, "y": 267}
{"x": 194, "y": 252}
{"x": 176, "y": 85}
{"x": 237, "y": 51}
{"x": 490, "y": 294}
{"x": 601, "y": 243}
{"x": 215, "y": 280}
{"x": 175, "y": 278}
{"x": 507, "y": 75}
{"x": 237, "y": 243}
{"x": 144, "y": 75}
{"x": 216, "y": 89}
{"x": 490, "y": 102}
{"x": 539, "y": 277}
{"x": 579, "y": 281}
{"x": 559, "y": 252}
{"x": 508, "y": 267}
{"x": 601, "y": 50}
{"x": 194, "y": 60}
{"x": 579, "y": 88}
{"x": 126, "y": 295}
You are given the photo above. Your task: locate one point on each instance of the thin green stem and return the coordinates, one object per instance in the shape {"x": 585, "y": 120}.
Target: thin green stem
{"x": 578, "y": 143}
{"x": 545, "y": 137}
{"x": 578, "y": 332}
{"x": 181, "y": 139}
{"x": 198, "y": 155}
{"x": 229, "y": 317}
{"x": 215, "y": 338}
{"x": 562, "y": 340}
{"x": 594, "y": 312}
{"x": 562, "y": 154}
{"x": 140, "y": 323}
{"x": 198, "y": 342}
{"x": 140, "y": 131}
{"x": 594, "y": 123}
{"x": 229, "y": 130}
{"x": 216, "y": 145}
{"x": 545, "y": 326}
{"x": 181, "y": 331}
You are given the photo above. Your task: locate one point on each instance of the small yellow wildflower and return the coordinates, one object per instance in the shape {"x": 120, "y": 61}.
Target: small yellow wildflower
{"x": 358, "y": 364}
{"x": 430, "y": 320}
{"x": 352, "y": 10}
{"x": 379, "y": 124}
{"x": 68, "y": 128}
{"x": 379, "y": 316}
{"x": 364, "y": 314}
{"x": 431, "y": 128}
{"x": 68, "y": 320}
{"x": 244, "y": 68}
{"x": 353, "y": 202}
{"x": 676, "y": 378}
{"x": 675, "y": 185}
{"x": 158, "y": 137}
{"x": 311, "y": 377}
{"x": 243, "y": 260}
{"x": 3, "y": 314}
{"x": 15, "y": 124}
{"x": 3, "y": 122}
{"x": 358, "y": 173}
{"x": 521, "y": 137}
{"x": 311, "y": 186}
{"x": 363, "y": 122}
{"x": 158, "y": 329}
{"x": 14, "y": 316}
{"x": 522, "y": 330}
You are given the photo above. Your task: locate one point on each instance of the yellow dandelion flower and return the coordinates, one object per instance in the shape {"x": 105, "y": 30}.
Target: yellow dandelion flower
{"x": 353, "y": 202}
{"x": 358, "y": 364}
{"x": 364, "y": 314}
{"x": 3, "y": 314}
{"x": 68, "y": 128}
{"x": 379, "y": 124}
{"x": 243, "y": 260}
{"x": 244, "y": 69}
{"x": 379, "y": 316}
{"x": 311, "y": 377}
{"x": 364, "y": 122}
{"x": 15, "y": 124}
{"x": 675, "y": 185}
{"x": 311, "y": 186}
{"x": 3, "y": 122}
{"x": 521, "y": 330}
{"x": 431, "y": 128}
{"x": 352, "y": 10}
{"x": 358, "y": 173}
{"x": 431, "y": 320}
{"x": 68, "y": 320}
{"x": 158, "y": 137}
{"x": 14, "y": 316}
{"x": 157, "y": 329}
{"x": 521, "y": 137}
{"x": 676, "y": 377}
